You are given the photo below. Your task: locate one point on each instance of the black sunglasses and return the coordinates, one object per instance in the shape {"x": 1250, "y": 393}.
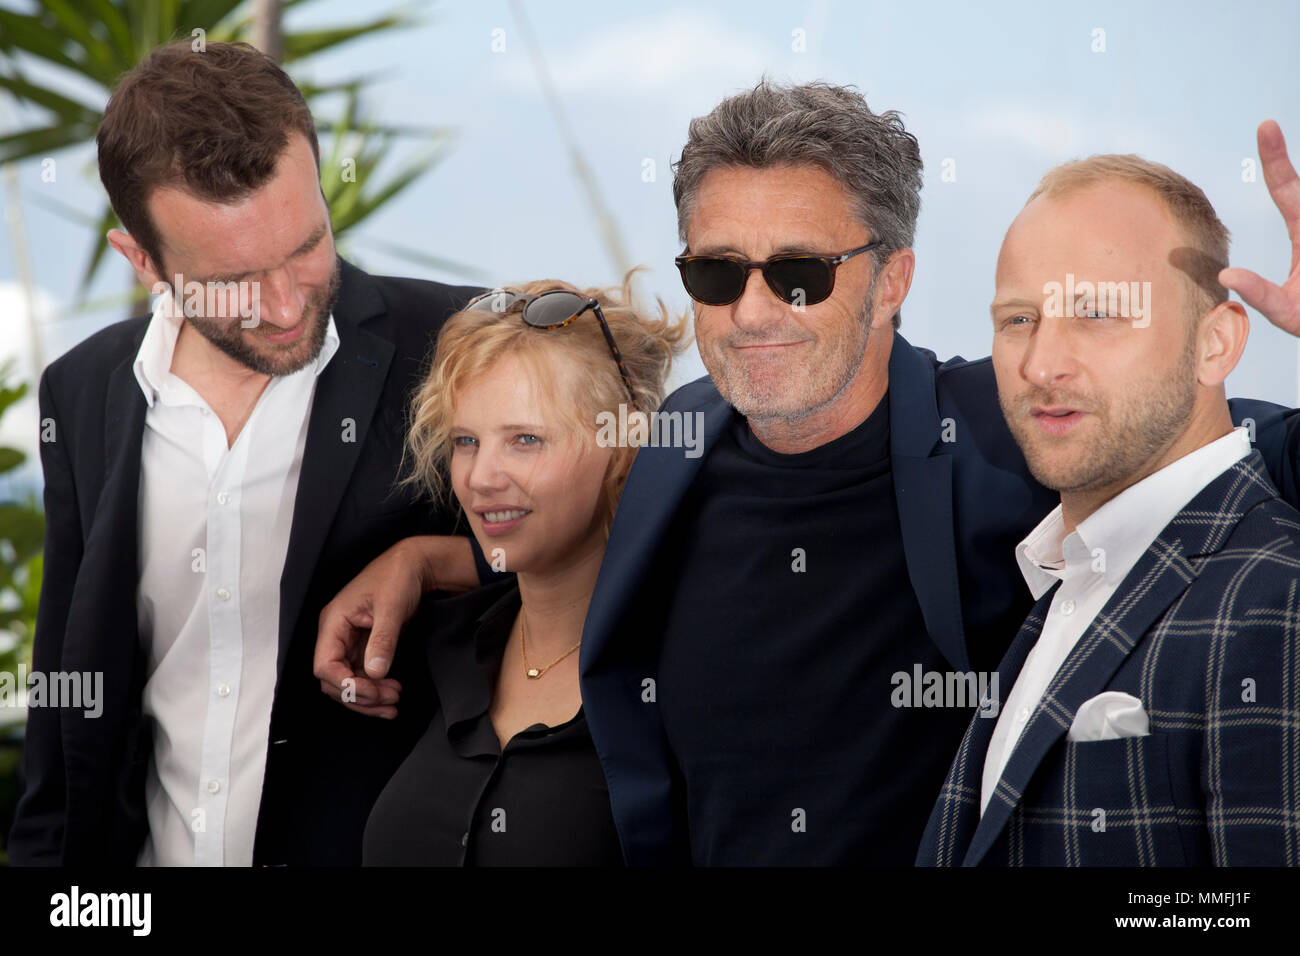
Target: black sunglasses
{"x": 798, "y": 278}
{"x": 552, "y": 310}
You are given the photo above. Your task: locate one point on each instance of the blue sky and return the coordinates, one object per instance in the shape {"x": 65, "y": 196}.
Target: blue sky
{"x": 1003, "y": 90}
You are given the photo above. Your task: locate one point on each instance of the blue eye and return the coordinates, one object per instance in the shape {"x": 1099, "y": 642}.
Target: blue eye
{"x": 462, "y": 441}
{"x": 529, "y": 439}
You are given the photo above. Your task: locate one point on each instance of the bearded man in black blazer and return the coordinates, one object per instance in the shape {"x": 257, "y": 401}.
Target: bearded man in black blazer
{"x": 215, "y": 473}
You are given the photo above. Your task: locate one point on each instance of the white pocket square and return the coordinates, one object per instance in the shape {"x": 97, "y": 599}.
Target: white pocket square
{"x": 1110, "y": 716}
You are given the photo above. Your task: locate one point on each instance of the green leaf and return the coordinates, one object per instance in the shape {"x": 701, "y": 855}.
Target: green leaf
{"x": 298, "y": 46}
{"x": 23, "y": 32}
{"x": 111, "y": 16}
{"x": 373, "y": 200}
{"x": 103, "y": 62}
{"x": 207, "y": 14}
{"x": 8, "y": 396}
{"x": 153, "y": 22}
{"x": 68, "y": 110}
{"x": 23, "y": 527}
{"x": 30, "y": 592}
{"x": 10, "y": 458}
{"x": 311, "y": 91}
{"x": 42, "y": 140}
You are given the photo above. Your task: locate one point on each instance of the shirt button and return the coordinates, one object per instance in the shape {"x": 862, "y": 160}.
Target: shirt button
{"x": 223, "y": 593}
{"x": 1023, "y": 715}
{"x": 1067, "y": 608}
{"x": 223, "y": 690}
{"x": 464, "y": 839}
{"x": 223, "y": 498}
{"x": 214, "y": 786}
{"x": 204, "y": 412}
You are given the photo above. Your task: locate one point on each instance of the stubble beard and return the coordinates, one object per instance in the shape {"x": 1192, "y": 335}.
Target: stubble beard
{"x": 249, "y": 348}
{"x": 1128, "y": 437}
{"x": 819, "y": 386}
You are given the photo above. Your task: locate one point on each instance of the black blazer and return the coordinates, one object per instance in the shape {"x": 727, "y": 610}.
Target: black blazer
{"x": 83, "y": 802}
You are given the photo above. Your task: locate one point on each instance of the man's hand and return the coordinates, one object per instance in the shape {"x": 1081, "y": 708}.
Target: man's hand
{"x": 363, "y": 622}
{"x": 1279, "y": 304}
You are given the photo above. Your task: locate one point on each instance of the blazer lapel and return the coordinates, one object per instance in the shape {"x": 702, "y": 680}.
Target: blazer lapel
{"x": 655, "y": 487}
{"x": 1160, "y": 576}
{"x": 625, "y": 731}
{"x": 957, "y": 813}
{"x": 107, "y": 581}
{"x": 923, "y": 492}
{"x": 347, "y": 393}
{"x": 102, "y": 634}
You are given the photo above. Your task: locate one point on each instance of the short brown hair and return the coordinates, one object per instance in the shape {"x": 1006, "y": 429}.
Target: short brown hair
{"x": 213, "y": 123}
{"x": 1204, "y": 232}
{"x": 471, "y": 342}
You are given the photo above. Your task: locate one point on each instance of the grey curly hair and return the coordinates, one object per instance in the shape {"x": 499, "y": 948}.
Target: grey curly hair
{"x": 870, "y": 154}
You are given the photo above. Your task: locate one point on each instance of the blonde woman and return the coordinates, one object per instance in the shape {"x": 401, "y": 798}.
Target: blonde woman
{"x": 506, "y": 422}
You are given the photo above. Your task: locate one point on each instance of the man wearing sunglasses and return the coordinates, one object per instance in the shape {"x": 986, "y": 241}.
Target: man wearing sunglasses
{"x": 761, "y": 653}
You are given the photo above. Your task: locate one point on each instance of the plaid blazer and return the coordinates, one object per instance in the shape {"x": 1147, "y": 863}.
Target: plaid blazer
{"x": 1203, "y": 631}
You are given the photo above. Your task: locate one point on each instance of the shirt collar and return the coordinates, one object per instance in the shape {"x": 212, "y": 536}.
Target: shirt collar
{"x": 153, "y": 361}
{"x": 466, "y": 637}
{"x": 1040, "y": 556}
{"x": 1123, "y": 528}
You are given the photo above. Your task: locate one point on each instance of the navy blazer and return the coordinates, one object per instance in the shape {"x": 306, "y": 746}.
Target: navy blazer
{"x": 84, "y": 802}
{"x": 965, "y": 499}
{"x": 1203, "y": 631}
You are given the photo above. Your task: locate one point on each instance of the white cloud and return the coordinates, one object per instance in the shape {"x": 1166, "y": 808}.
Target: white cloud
{"x": 682, "y": 49}
{"x": 1058, "y": 130}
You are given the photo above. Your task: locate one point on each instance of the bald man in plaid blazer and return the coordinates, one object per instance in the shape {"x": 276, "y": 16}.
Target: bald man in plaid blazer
{"x": 1152, "y": 708}
{"x": 1203, "y": 631}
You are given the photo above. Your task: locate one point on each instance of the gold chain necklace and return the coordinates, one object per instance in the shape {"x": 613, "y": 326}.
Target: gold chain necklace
{"x": 532, "y": 672}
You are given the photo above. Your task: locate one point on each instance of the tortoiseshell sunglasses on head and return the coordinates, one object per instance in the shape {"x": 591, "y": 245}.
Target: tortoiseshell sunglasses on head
{"x": 553, "y": 310}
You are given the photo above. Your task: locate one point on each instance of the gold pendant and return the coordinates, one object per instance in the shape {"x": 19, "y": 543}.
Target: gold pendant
{"x": 534, "y": 673}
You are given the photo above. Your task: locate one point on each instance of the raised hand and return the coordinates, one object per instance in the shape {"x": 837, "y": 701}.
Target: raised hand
{"x": 1280, "y": 304}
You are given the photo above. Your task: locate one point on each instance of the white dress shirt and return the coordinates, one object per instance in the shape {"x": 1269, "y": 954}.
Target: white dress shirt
{"x": 213, "y": 533}
{"x": 1091, "y": 563}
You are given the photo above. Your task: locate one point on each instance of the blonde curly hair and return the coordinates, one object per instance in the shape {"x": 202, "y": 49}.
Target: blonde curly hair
{"x": 472, "y": 341}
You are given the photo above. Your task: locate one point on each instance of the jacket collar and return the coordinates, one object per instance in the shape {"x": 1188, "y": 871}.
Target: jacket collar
{"x": 466, "y": 636}
{"x": 347, "y": 395}
{"x": 923, "y": 493}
